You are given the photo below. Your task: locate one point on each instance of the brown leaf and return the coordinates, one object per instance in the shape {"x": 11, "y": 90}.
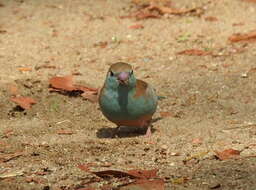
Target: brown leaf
{"x": 196, "y": 52}
{"x": 66, "y": 83}
{"x": 211, "y": 18}
{"x": 64, "y": 132}
{"x": 63, "y": 83}
{"x": 24, "y": 102}
{"x": 227, "y": 154}
{"x": 238, "y": 37}
{"x": 136, "y": 26}
{"x": 157, "y": 184}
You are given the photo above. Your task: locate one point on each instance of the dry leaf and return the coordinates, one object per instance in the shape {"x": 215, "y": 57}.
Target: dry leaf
{"x": 157, "y": 184}
{"x": 196, "y": 52}
{"x": 227, "y": 154}
{"x": 136, "y": 26}
{"x": 66, "y": 83}
{"x": 63, "y": 83}
{"x": 238, "y": 37}
{"x": 24, "y": 102}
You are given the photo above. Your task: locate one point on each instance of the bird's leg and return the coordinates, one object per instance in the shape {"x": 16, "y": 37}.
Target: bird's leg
{"x": 148, "y": 133}
{"x": 148, "y": 125}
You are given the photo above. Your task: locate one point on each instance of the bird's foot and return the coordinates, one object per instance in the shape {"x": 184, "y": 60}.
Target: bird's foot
{"x": 116, "y": 131}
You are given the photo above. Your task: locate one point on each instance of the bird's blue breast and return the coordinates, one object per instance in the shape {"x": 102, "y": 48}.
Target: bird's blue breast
{"x": 121, "y": 104}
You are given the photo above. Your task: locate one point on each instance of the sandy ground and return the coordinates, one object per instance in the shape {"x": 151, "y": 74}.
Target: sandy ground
{"x": 209, "y": 99}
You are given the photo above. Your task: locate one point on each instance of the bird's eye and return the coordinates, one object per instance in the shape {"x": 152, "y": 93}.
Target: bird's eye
{"x": 111, "y": 73}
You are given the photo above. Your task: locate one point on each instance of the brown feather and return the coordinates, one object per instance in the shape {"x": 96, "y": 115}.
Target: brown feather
{"x": 141, "y": 88}
{"x": 120, "y": 67}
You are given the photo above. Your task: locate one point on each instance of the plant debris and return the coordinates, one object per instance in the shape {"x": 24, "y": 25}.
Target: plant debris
{"x": 227, "y": 154}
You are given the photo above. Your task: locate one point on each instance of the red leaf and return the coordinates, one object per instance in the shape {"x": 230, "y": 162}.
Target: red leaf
{"x": 238, "y": 37}
{"x": 227, "y": 154}
{"x": 157, "y": 184}
{"x": 24, "y": 102}
{"x": 63, "y": 83}
{"x": 196, "y": 52}
{"x": 66, "y": 83}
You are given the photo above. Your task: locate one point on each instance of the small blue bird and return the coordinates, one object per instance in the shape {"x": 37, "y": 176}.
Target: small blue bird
{"x": 125, "y": 100}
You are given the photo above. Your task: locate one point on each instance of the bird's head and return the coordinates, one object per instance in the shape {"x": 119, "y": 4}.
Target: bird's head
{"x": 120, "y": 75}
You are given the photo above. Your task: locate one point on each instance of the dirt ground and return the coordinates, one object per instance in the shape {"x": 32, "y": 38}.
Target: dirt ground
{"x": 209, "y": 103}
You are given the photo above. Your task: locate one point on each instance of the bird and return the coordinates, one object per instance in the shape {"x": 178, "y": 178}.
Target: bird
{"x": 125, "y": 100}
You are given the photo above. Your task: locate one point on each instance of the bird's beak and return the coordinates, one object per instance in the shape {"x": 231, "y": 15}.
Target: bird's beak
{"x": 123, "y": 78}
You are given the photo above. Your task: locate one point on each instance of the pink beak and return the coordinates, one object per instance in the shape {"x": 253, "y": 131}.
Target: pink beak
{"x": 123, "y": 77}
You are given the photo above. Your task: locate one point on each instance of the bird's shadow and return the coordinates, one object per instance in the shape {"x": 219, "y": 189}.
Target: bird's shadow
{"x": 124, "y": 132}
